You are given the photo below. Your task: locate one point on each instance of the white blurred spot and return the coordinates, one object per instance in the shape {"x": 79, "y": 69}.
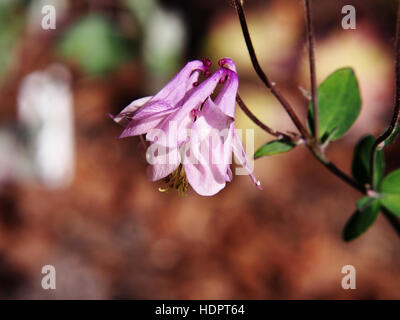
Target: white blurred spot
{"x": 164, "y": 41}
{"x": 45, "y": 110}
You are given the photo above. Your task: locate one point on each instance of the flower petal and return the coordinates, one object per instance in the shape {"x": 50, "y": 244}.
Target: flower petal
{"x": 163, "y": 161}
{"x": 208, "y": 167}
{"x": 240, "y": 154}
{"x": 215, "y": 118}
{"x": 160, "y": 171}
{"x": 147, "y": 118}
{"x": 229, "y": 63}
{"x": 211, "y": 133}
{"x": 175, "y": 91}
{"x": 194, "y": 101}
{"x": 204, "y": 179}
{"x": 125, "y": 116}
{"x": 152, "y": 111}
{"x": 226, "y": 99}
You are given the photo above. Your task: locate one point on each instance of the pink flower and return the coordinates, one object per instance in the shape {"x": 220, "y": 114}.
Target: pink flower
{"x": 191, "y": 137}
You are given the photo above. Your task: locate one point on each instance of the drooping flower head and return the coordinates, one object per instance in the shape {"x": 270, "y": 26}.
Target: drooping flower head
{"x": 191, "y": 136}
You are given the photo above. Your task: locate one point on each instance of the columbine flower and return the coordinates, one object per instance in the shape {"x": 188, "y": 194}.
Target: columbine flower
{"x": 191, "y": 136}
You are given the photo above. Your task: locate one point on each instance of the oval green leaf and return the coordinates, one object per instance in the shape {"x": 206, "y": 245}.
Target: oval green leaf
{"x": 339, "y": 105}
{"x": 361, "y": 166}
{"x": 274, "y": 147}
{"x": 390, "y": 192}
{"x": 365, "y": 215}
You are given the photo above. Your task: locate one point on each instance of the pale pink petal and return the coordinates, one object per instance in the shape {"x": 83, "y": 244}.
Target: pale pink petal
{"x": 215, "y": 118}
{"x": 226, "y": 99}
{"x": 164, "y": 163}
{"x": 147, "y": 118}
{"x": 160, "y": 171}
{"x": 207, "y": 169}
{"x": 211, "y": 132}
{"x": 192, "y": 85}
{"x": 176, "y": 133}
{"x": 194, "y": 101}
{"x": 165, "y": 102}
{"x": 240, "y": 154}
{"x": 204, "y": 179}
{"x": 125, "y": 116}
{"x": 175, "y": 91}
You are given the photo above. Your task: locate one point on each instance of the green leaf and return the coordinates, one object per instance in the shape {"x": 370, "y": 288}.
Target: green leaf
{"x": 365, "y": 215}
{"x": 95, "y": 44}
{"x": 274, "y": 147}
{"x": 361, "y": 166}
{"x": 390, "y": 192}
{"x": 339, "y": 105}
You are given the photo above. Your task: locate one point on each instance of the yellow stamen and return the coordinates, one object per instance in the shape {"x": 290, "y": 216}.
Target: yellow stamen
{"x": 176, "y": 180}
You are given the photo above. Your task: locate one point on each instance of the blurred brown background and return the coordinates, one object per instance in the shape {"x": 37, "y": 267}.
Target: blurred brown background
{"x": 74, "y": 196}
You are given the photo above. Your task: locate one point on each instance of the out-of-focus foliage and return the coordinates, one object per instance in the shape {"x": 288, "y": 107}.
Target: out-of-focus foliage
{"x": 96, "y": 44}
{"x": 164, "y": 42}
{"x": 142, "y": 10}
{"x": 11, "y": 20}
{"x": 162, "y": 36}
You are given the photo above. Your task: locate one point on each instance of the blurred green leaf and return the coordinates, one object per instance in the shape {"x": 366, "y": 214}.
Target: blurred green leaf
{"x": 95, "y": 44}
{"x": 361, "y": 166}
{"x": 365, "y": 215}
{"x": 142, "y": 9}
{"x": 339, "y": 104}
{"x": 12, "y": 18}
{"x": 390, "y": 192}
{"x": 274, "y": 147}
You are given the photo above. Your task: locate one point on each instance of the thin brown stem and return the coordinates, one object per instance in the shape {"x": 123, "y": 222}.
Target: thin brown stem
{"x": 271, "y": 86}
{"x": 380, "y": 141}
{"x": 258, "y": 122}
{"x": 322, "y": 158}
{"x": 392, "y": 220}
{"x": 311, "y": 57}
